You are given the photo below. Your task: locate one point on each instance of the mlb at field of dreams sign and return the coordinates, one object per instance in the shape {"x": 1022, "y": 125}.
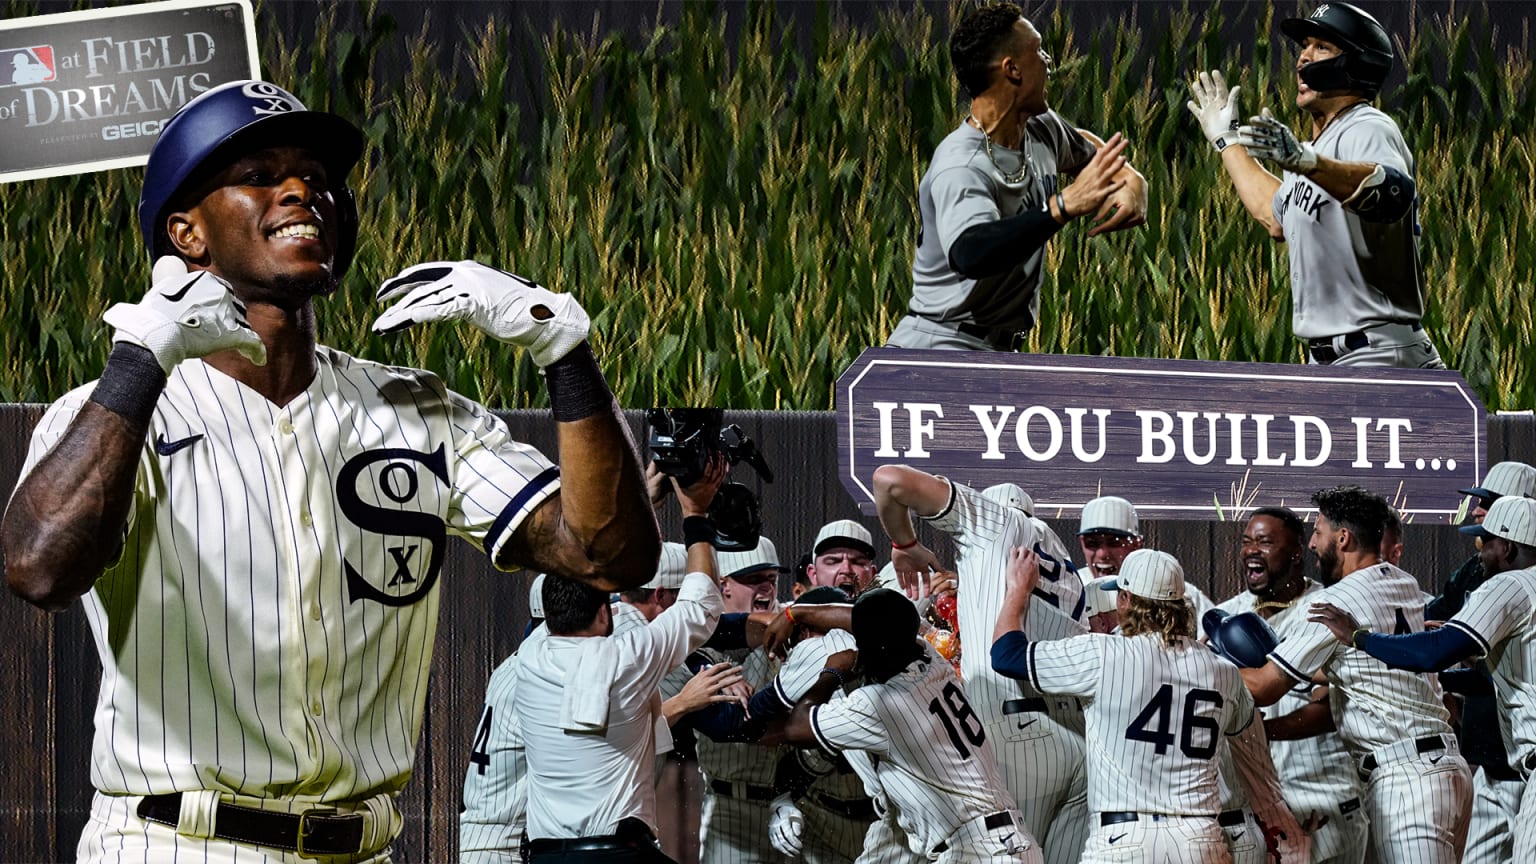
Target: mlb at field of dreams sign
{"x": 1182, "y": 439}
{"x": 86, "y": 91}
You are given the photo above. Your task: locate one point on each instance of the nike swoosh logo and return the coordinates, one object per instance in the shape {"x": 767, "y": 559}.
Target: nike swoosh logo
{"x": 184, "y": 289}
{"x": 1435, "y": 760}
{"x": 1026, "y": 723}
{"x": 1117, "y": 838}
{"x": 170, "y": 448}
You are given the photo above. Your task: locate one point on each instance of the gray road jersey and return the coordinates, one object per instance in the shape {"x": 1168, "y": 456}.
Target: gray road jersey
{"x": 964, "y": 188}
{"x": 1348, "y": 274}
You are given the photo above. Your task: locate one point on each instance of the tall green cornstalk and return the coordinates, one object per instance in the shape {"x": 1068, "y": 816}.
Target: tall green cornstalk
{"x": 738, "y": 215}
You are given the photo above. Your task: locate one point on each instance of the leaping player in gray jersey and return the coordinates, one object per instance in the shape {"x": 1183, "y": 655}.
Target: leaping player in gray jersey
{"x": 1345, "y": 203}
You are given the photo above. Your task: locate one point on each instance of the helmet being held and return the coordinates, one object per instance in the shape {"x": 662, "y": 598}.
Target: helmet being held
{"x": 238, "y": 118}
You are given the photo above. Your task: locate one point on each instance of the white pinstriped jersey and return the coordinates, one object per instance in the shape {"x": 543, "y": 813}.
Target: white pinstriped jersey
{"x": 1156, "y": 719}
{"x": 1316, "y": 773}
{"x": 496, "y": 784}
{"x": 1052, "y": 544}
{"x": 1498, "y": 616}
{"x": 797, "y": 676}
{"x": 583, "y": 783}
{"x": 268, "y": 627}
{"x": 985, "y": 532}
{"x": 931, "y": 751}
{"x": 1373, "y": 705}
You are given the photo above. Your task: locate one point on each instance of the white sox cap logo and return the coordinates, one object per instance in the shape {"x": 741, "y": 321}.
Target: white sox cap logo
{"x": 276, "y": 100}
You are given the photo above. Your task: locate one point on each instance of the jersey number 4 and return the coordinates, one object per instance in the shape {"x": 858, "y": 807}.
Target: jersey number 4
{"x": 480, "y": 756}
{"x": 1159, "y": 711}
{"x": 958, "y": 719}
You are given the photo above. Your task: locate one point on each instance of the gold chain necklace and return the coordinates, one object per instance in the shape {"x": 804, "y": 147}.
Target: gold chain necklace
{"x": 1010, "y": 179}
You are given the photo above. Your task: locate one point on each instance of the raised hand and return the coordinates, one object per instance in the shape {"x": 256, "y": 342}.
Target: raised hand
{"x": 186, "y": 314}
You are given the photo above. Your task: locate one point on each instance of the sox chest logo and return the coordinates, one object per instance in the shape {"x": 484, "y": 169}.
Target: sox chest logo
{"x": 395, "y": 474}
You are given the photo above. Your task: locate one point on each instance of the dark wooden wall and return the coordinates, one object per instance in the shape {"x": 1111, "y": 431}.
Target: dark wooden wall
{"x": 49, "y": 671}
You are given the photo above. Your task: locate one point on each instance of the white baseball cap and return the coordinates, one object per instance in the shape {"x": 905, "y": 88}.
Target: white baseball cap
{"x": 1010, "y": 495}
{"x": 844, "y": 533}
{"x": 1110, "y": 514}
{"x": 536, "y": 597}
{"x": 1506, "y": 478}
{"x": 1098, "y": 598}
{"x": 1151, "y": 574}
{"x": 757, "y": 561}
{"x": 1511, "y": 517}
{"x": 671, "y": 569}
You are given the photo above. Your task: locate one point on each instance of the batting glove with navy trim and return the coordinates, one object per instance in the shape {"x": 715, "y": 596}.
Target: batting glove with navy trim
{"x": 1268, "y": 138}
{"x": 186, "y": 314}
{"x": 505, "y": 306}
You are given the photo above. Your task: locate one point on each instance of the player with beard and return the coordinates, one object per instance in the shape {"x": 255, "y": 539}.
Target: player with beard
{"x": 843, "y": 558}
{"x": 1317, "y": 777}
{"x": 1418, "y": 788}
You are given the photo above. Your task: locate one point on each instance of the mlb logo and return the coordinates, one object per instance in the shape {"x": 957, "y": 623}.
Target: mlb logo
{"x": 29, "y": 65}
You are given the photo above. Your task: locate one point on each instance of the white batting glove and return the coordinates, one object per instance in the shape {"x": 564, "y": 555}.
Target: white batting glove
{"x": 786, "y": 827}
{"x": 1268, "y": 138}
{"x": 1215, "y": 107}
{"x": 185, "y": 315}
{"x": 506, "y": 306}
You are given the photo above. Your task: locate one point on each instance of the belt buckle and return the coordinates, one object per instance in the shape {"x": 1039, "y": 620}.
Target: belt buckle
{"x": 304, "y": 831}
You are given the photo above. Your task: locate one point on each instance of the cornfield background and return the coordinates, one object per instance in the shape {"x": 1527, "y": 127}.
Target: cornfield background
{"x": 738, "y": 214}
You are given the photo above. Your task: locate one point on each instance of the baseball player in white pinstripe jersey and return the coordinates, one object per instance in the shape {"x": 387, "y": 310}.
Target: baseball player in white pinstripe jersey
{"x": 1038, "y": 741}
{"x": 1418, "y": 787}
{"x": 1498, "y": 622}
{"x": 929, "y": 748}
{"x": 1318, "y": 778}
{"x": 1110, "y": 530}
{"x": 256, "y": 523}
{"x": 1159, "y": 704}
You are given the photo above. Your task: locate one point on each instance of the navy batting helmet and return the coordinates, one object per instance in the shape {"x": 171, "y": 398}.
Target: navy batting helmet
{"x": 234, "y": 119}
{"x": 1244, "y": 638}
{"x": 1366, "y": 47}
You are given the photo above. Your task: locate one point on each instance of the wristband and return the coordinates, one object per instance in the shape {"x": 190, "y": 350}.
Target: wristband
{"x": 1358, "y": 636}
{"x": 1061, "y": 204}
{"x": 789, "y": 614}
{"x": 698, "y": 529}
{"x": 577, "y": 389}
{"x": 130, "y": 384}
{"x": 835, "y": 673}
{"x": 907, "y": 545}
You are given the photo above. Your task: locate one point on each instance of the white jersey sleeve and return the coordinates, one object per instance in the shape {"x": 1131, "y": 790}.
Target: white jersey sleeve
{"x": 805, "y": 662}
{"x": 1308, "y": 646}
{"x": 653, "y": 651}
{"x": 851, "y": 723}
{"x": 498, "y": 481}
{"x": 1494, "y": 611}
{"x": 1070, "y": 667}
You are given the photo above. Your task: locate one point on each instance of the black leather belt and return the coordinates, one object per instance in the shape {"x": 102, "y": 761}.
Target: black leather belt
{"x": 631, "y": 833}
{"x": 319, "y": 831}
{"x": 1349, "y": 806}
{"x": 857, "y": 809}
{"x": 1423, "y": 745}
{"x": 1322, "y": 349}
{"x": 993, "y": 821}
{"x": 754, "y": 792}
{"x": 1231, "y": 817}
{"x": 1115, "y": 817}
{"x": 1023, "y": 706}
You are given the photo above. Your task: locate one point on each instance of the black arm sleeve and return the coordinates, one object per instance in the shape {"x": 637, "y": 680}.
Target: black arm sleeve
{"x": 730, "y": 633}
{"x": 993, "y": 247}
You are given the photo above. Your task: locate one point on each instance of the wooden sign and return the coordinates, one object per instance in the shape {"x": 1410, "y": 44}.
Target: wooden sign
{"x": 1183, "y": 439}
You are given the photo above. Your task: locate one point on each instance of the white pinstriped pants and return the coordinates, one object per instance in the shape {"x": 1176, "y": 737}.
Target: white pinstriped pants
{"x": 1494, "y": 804}
{"x": 1160, "y": 840}
{"x": 733, "y": 831}
{"x": 1419, "y": 809}
{"x": 114, "y": 834}
{"x": 1043, "y": 761}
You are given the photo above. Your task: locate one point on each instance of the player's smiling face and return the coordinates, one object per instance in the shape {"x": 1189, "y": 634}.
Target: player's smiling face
{"x": 267, "y": 224}
{"x": 847, "y": 569}
{"x": 753, "y": 592}
{"x": 1312, "y": 51}
{"x": 1269, "y": 553}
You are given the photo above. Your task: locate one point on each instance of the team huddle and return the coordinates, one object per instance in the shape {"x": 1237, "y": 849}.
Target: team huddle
{"x": 255, "y": 524}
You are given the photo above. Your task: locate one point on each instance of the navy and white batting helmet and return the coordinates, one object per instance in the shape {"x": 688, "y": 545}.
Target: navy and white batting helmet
{"x": 1244, "y": 638}
{"x": 234, "y": 119}
{"x": 1366, "y": 47}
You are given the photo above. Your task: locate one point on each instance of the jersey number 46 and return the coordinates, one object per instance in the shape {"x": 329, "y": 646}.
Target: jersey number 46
{"x": 1159, "y": 711}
